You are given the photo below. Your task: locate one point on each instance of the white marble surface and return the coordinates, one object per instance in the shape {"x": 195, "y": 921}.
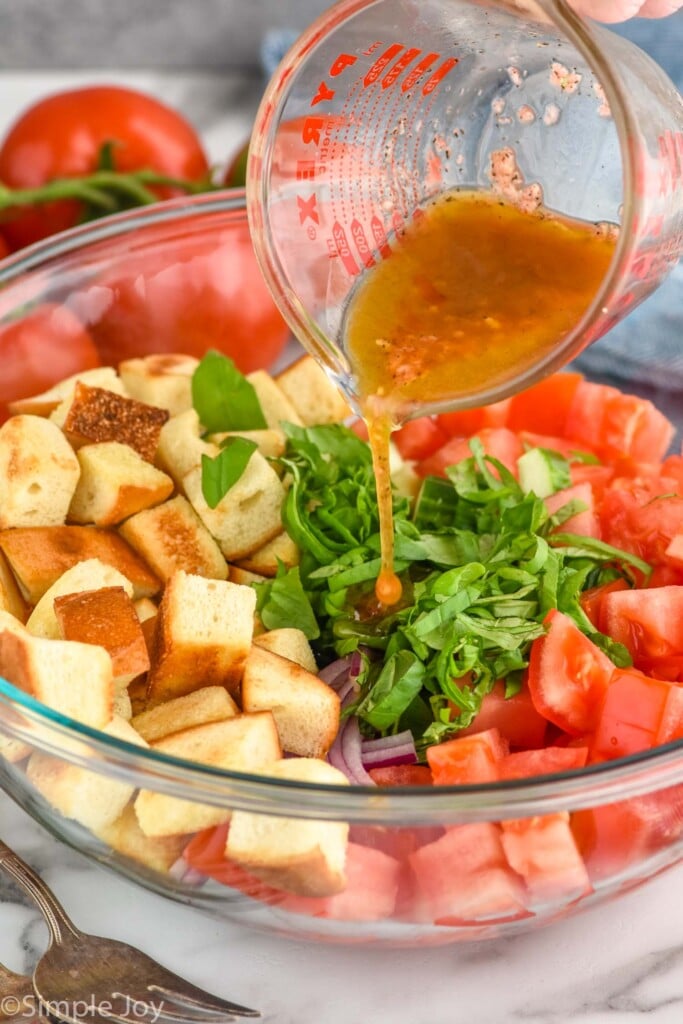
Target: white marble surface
{"x": 609, "y": 966}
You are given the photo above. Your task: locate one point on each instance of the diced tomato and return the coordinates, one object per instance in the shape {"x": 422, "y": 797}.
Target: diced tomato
{"x": 463, "y": 877}
{"x": 360, "y": 429}
{"x": 641, "y": 517}
{"x": 206, "y": 853}
{"x": 544, "y": 407}
{"x": 649, "y": 623}
{"x": 466, "y": 422}
{"x": 618, "y": 424}
{"x": 592, "y": 600}
{"x": 401, "y": 775}
{"x": 664, "y": 576}
{"x": 498, "y": 442}
{"x": 524, "y": 764}
{"x": 630, "y": 716}
{"x": 515, "y": 718}
{"x": 597, "y": 475}
{"x": 568, "y": 675}
{"x": 544, "y": 852}
{"x": 419, "y": 438}
{"x": 672, "y": 469}
{"x": 674, "y": 551}
{"x": 467, "y": 760}
{"x": 565, "y": 447}
{"x": 585, "y": 523}
{"x": 671, "y": 722}
{"x": 614, "y": 837}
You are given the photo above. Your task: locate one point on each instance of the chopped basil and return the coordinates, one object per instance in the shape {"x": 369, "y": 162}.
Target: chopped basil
{"x": 219, "y": 475}
{"x": 223, "y": 397}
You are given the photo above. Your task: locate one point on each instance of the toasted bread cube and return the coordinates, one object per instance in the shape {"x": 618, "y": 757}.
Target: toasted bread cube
{"x": 96, "y": 414}
{"x": 74, "y": 679}
{"x": 137, "y": 694}
{"x": 291, "y": 644}
{"x": 126, "y": 837}
{"x": 203, "y": 636}
{"x": 89, "y": 575}
{"x": 122, "y": 706}
{"x": 172, "y": 537}
{"x": 246, "y": 743}
{"x": 306, "y": 710}
{"x": 105, "y": 617}
{"x": 210, "y": 704}
{"x": 275, "y": 405}
{"x": 238, "y": 575}
{"x": 270, "y": 442}
{"x": 181, "y": 446}
{"x": 299, "y": 855}
{"x": 115, "y": 483}
{"x": 10, "y": 596}
{"x": 12, "y": 750}
{"x": 266, "y": 560}
{"x": 12, "y": 624}
{"x": 145, "y": 609}
{"x": 61, "y": 395}
{"x": 39, "y": 472}
{"x": 38, "y": 557}
{"x": 312, "y": 393}
{"x": 161, "y": 379}
{"x": 83, "y": 794}
{"x": 249, "y": 515}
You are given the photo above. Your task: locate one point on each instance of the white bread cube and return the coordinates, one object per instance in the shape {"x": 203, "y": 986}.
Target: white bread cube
{"x": 71, "y": 678}
{"x": 11, "y": 599}
{"x": 181, "y": 446}
{"x": 126, "y": 837}
{"x": 275, "y": 405}
{"x": 92, "y": 799}
{"x": 210, "y": 704}
{"x": 39, "y": 555}
{"x": 115, "y": 482}
{"x": 203, "y": 635}
{"x": 92, "y": 574}
{"x": 145, "y": 609}
{"x": 122, "y": 706}
{"x": 270, "y": 442}
{"x": 249, "y": 515}
{"x": 291, "y": 644}
{"x": 238, "y": 575}
{"x": 246, "y": 743}
{"x": 161, "y": 379}
{"x": 266, "y": 560}
{"x": 39, "y": 472}
{"x": 46, "y": 403}
{"x": 172, "y": 537}
{"x": 312, "y": 393}
{"x": 299, "y": 855}
{"x": 306, "y": 710}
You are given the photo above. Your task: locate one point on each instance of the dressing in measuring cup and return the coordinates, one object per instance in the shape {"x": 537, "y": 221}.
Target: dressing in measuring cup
{"x": 387, "y": 109}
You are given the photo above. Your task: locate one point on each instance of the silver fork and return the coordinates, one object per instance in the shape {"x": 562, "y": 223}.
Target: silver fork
{"x": 83, "y": 979}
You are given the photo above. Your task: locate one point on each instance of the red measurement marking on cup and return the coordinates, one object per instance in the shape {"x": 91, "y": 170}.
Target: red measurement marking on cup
{"x": 382, "y": 63}
{"x": 411, "y": 80}
{"x": 671, "y": 162}
{"x": 361, "y": 242}
{"x": 439, "y": 75}
{"x": 380, "y": 237}
{"x": 344, "y": 249}
{"x": 403, "y": 62}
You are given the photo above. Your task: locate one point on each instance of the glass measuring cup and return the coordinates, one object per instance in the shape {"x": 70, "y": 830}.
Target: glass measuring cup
{"x": 382, "y": 105}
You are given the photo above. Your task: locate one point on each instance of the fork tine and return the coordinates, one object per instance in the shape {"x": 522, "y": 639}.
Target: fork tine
{"x": 169, "y": 1009}
{"x": 195, "y": 998}
{"x": 137, "y": 1015}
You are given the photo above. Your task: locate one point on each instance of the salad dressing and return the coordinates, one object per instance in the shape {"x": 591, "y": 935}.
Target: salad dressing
{"x": 475, "y": 291}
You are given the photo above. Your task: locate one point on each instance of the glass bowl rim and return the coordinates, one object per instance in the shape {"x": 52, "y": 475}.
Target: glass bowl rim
{"x": 637, "y": 774}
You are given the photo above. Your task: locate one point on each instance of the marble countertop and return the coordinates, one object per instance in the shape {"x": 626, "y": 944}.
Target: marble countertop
{"x": 608, "y": 966}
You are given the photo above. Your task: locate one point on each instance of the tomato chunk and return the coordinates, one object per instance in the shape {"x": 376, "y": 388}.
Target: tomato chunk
{"x": 515, "y": 718}
{"x": 419, "y": 438}
{"x": 618, "y": 424}
{"x": 401, "y": 775}
{"x": 544, "y": 407}
{"x": 585, "y": 522}
{"x": 498, "y": 442}
{"x": 592, "y": 600}
{"x": 544, "y": 852}
{"x": 568, "y": 675}
{"x": 630, "y": 715}
{"x": 648, "y": 622}
{"x": 524, "y": 764}
{"x": 467, "y": 760}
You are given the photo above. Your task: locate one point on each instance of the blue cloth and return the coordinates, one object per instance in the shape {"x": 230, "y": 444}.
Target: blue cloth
{"x": 645, "y": 350}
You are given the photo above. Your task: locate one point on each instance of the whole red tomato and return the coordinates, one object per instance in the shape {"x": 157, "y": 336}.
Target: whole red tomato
{"x": 63, "y": 135}
{"x": 4, "y": 248}
{"x": 39, "y": 349}
{"x": 186, "y": 289}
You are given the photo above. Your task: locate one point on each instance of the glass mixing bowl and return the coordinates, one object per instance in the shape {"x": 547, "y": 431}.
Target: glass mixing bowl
{"x": 423, "y": 864}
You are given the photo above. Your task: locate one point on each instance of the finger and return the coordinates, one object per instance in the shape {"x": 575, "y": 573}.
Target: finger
{"x": 610, "y": 10}
{"x": 659, "y": 8}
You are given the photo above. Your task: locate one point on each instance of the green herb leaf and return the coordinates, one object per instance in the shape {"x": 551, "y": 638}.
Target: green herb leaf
{"x": 395, "y": 689}
{"x": 223, "y": 397}
{"x": 282, "y": 603}
{"x": 220, "y": 474}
